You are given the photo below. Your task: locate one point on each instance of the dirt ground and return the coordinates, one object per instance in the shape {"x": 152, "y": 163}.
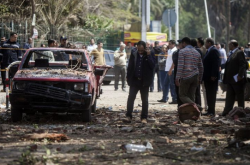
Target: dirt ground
{"x": 103, "y": 141}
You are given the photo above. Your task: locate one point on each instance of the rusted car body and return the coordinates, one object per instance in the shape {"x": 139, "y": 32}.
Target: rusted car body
{"x": 56, "y": 80}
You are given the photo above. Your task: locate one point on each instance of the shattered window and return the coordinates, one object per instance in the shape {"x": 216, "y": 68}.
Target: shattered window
{"x": 58, "y": 59}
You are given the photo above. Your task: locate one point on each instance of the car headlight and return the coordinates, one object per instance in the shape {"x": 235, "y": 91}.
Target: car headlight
{"x": 86, "y": 87}
{"x": 79, "y": 87}
{"x": 20, "y": 85}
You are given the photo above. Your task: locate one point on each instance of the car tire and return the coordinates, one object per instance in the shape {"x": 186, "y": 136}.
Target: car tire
{"x": 93, "y": 107}
{"x": 106, "y": 82}
{"x": 16, "y": 114}
{"x": 247, "y": 91}
{"x": 86, "y": 115}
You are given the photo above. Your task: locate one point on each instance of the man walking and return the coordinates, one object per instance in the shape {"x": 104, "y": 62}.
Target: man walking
{"x": 120, "y": 58}
{"x": 189, "y": 72}
{"x": 211, "y": 64}
{"x": 169, "y": 80}
{"x": 223, "y": 56}
{"x": 162, "y": 64}
{"x": 139, "y": 78}
{"x": 234, "y": 77}
{"x": 10, "y": 53}
{"x": 98, "y": 54}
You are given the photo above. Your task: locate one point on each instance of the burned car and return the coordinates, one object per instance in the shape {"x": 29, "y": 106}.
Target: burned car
{"x": 56, "y": 80}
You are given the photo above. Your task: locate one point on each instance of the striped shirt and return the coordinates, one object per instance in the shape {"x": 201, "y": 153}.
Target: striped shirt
{"x": 189, "y": 63}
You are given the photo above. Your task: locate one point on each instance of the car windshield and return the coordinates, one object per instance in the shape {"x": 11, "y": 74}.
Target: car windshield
{"x": 56, "y": 59}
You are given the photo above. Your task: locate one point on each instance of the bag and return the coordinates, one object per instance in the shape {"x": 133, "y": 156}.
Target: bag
{"x": 188, "y": 111}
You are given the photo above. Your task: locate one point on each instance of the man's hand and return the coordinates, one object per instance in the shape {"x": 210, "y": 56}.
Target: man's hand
{"x": 121, "y": 54}
{"x": 170, "y": 72}
{"x": 177, "y": 82}
{"x": 239, "y": 78}
{"x": 213, "y": 78}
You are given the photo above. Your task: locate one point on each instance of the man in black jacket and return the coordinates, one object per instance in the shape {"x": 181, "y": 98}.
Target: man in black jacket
{"x": 139, "y": 78}
{"x": 234, "y": 77}
{"x": 9, "y": 55}
{"x": 211, "y": 63}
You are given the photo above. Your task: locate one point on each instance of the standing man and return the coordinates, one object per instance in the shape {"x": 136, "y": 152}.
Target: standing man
{"x": 139, "y": 78}
{"x": 169, "y": 80}
{"x": 10, "y": 53}
{"x": 98, "y": 54}
{"x": 128, "y": 49}
{"x": 189, "y": 72}
{"x": 3, "y": 39}
{"x": 223, "y": 56}
{"x": 27, "y": 45}
{"x": 162, "y": 64}
{"x": 211, "y": 64}
{"x": 92, "y": 45}
{"x": 234, "y": 77}
{"x": 157, "y": 51}
{"x": 120, "y": 66}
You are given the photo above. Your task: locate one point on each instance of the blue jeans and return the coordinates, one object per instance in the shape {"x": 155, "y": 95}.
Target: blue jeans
{"x": 169, "y": 84}
{"x": 163, "y": 75}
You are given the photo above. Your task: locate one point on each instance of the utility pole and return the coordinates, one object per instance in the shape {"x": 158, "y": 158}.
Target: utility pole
{"x": 208, "y": 24}
{"x": 177, "y": 20}
{"x": 145, "y": 18}
{"x": 33, "y": 15}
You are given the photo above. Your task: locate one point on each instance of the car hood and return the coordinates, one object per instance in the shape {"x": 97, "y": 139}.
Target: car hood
{"x": 52, "y": 75}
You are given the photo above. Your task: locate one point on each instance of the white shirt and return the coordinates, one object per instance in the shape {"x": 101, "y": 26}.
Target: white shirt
{"x": 169, "y": 60}
{"x": 91, "y": 47}
{"x": 223, "y": 56}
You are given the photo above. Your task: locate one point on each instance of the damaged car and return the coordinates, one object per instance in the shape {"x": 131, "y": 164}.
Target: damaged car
{"x": 56, "y": 80}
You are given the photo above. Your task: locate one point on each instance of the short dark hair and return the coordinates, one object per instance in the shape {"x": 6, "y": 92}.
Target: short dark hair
{"x": 51, "y": 41}
{"x": 156, "y": 43}
{"x": 201, "y": 41}
{"x": 172, "y": 42}
{"x": 235, "y": 43}
{"x": 13, "y": 33}
{"x": 222, "y": 45}
{"x": 142, "y": 43}
{"x": 210, "y": 40}
{"x": 193, "y": 42}
{"x": 186, "y": 40}
{"x": 99, "y": 42}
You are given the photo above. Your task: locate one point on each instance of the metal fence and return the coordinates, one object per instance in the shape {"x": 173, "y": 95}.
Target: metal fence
{"x": 110, "y": 38}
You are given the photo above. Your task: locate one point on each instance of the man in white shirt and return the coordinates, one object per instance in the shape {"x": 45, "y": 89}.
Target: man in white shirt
{"x": 169, "y": 80}
{"x": 223, "y": 57}
{"x": 92, "y": 45}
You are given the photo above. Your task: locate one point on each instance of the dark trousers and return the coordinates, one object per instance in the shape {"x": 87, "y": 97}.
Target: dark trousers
{"x": 179, "y": 102}
{"x": 133, "y": 90}
{"x": 3, "y": 75}
{"x": 157, "y": 71}
{"x": 198, "y": 95}
{"x": 234, "y": 90}
{"x": 211, "y": 91}
{"x": 120, "y": 70}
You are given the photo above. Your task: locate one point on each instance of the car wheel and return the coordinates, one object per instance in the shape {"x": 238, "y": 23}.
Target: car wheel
{"x": 86, "y": 115}
{"x": 106, "y": 82}
{"x": 247, "y": 91}
{"x": 16, "y": 114}
{"x": 93, "y": 107}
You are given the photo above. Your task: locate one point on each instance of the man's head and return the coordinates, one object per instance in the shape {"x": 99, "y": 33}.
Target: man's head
{"x": 92, "y": 41}
{"x": 164, "y": 48}
{"x": 209, "y": 42}
{"x": 63, "y": 41}
{"x": 51, "y": 43}
{"x": 3, "y": 39}
{"x": 171, "y": 44}
{"x": 179, "y": 44}
{"x": 193, "y": 42}
{"x": 141, "y": 47}
{"x": 185, "y": 41}
{"x": 218, "y": 46}
{"x": 222, "y": 45}
{"x": 248, "y": 44}
{"x": 156, "y": 43}
{"x": 99, "y": 44}
{"x": 200, "y": 42}
{"x": 233, "y": 44}
{"x": 135, "y": 45}
{"x": 13, "y": 37}
{"x": 122, "y": 47}
{"x": 148, "y": 44}
{"x": 129, "y": 44}
{"x": 30, "y": 40}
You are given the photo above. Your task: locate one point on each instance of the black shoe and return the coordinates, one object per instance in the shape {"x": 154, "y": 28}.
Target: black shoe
{"x": 173, "y": 102}
{"x": 116, "y": 89}
{"x": 123, "y": 89}
{"x": 199, "y": 107}
{"x": 159, "y": 90}
{"x": 208, "y": 114}
{"x": 161, "y": 101}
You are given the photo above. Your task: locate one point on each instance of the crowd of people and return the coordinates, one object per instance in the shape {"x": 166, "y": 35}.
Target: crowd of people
{"x": 183, "y": 68}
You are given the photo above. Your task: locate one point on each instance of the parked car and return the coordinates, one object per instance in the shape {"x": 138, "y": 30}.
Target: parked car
{"x": 247, "y": 88}
{"x": 57, "y": 80}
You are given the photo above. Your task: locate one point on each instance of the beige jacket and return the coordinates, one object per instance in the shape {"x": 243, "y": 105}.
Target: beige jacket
{"x": 99, "y": 57}
{"x": 120, "y": 58}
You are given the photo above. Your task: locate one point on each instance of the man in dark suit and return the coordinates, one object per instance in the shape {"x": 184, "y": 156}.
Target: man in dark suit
{"x": 211, "y": 63}
{"x": 139, "y": 78}
{"x": 234, "y": 77}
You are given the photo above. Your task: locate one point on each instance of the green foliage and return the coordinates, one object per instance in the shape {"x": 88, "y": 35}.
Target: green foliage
{"x": 95, "y": 22}
{"x": 3, "y": 9}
